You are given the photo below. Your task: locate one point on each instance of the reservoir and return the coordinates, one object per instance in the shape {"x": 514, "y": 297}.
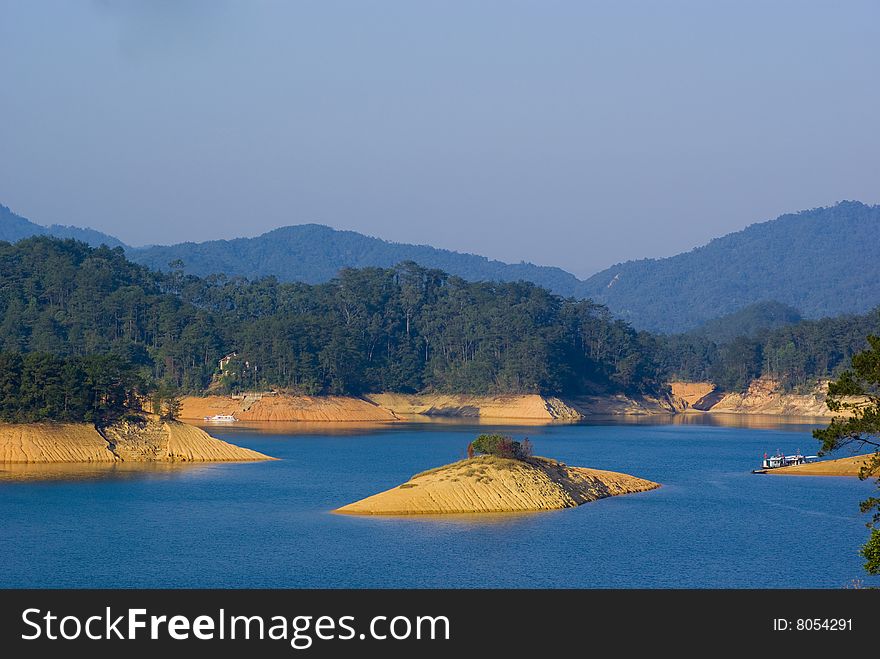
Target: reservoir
{"x": 712, "y": 524}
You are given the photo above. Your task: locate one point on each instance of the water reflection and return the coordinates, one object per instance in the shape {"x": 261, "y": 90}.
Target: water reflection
{"x": 419, "y": 421}
{"x": 85, "y": 471}
{"x": 294, "y": 427}
{"x": 484, "y": 421}
{"x": 461, "y": 520}
{"x": 280, "y": 432}
{"x": 720, "y": 419}
{"x": 359, "y": 427}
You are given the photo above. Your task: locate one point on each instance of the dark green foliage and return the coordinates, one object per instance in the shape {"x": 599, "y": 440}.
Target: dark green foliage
{"x": 795, "y": 355}
{"x": 65, "y": 298}
{"x": 314, "y": 254}
{"x": 777, "y": 260}
{"x": 860, "y": 429}
{"x": 408, "y": 329}
{"x": 871, "y": 552}
{"x": 166, "y": 400}
{"x": 773, "y": 260}
{"x": 401, "y": 329}
{"x": 43, "y": 387}
{"x": 501, "y": 446}
{"x": 749, "y": 322}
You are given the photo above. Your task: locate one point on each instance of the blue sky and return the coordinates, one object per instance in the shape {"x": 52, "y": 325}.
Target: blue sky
{"x": 575, "y": 134}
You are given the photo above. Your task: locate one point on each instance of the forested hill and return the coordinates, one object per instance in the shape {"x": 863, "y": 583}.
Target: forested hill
{"x": 75, "y": 320}
{"x": 749, "y": 322}
{"x": 403, "y": 329}
{"x": 823, "y": 262}
{"x": 15, "y": 227}
{"x": 310, "y": 253}
{"x": 796, "y": 355}
{"x": 314, "y": 253}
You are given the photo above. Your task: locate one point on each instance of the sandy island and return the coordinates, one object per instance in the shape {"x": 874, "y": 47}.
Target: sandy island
{"x": 840, "y": 467}
{"x": 152, "y": 440}
{"x": 487, "y": 484}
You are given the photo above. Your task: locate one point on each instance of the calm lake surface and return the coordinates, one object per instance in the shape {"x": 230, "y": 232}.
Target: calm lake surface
{"x": 712, "y": 524}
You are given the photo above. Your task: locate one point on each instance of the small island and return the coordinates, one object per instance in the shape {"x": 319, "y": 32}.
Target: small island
{"x": 499, "y": 476}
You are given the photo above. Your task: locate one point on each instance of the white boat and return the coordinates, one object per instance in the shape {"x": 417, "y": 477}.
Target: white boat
{"x": 228, "y": 418}
{"x": 779, "y": 459}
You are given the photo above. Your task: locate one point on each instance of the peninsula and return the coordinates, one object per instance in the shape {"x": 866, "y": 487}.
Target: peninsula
{"x": 149, "y": 439}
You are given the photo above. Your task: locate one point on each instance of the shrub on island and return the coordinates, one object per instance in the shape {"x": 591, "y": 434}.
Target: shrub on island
{"x": 501, "y": 446}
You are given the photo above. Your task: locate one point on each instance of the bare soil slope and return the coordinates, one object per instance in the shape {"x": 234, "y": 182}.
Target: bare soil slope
{"x": 486, "y": 484}
{"x": 152, "y": 440}
{"x": 53, "y": 442}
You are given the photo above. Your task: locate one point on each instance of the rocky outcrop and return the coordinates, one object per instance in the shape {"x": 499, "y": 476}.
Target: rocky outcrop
{"x": 766, "y": 396}
{"x": 148, "y": 440}
{"x": 687, "y": 395}
{"x": 621, "y": 404}
{"x": 487, "y": 484}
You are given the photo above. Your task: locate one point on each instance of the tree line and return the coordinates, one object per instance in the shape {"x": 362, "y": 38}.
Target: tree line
{"x": 45, "y": 387}
{"x": 404, "y": 329}
{"x": 795, "y": 355}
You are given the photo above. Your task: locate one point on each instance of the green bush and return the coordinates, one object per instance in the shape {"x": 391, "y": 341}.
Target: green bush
{"x": 501, "y": 446}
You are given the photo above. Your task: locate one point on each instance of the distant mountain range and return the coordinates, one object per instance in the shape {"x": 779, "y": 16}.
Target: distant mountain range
{"x": 314, "y": 253}
{"x": 821, "y": 262}
{"x": 14, "y": 227}
{"x": 310, "y": 253}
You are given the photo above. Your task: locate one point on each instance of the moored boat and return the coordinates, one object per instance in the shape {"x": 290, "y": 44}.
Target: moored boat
{"x": 228, "y": 418}
{"x": 779, "y": 459}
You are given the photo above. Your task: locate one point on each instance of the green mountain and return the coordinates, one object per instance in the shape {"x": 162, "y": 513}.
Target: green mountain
{"x": 310, "y": 253}
{"x": 824, "y": 262}
{"x": 313, "y": 253}
{"x": 14, "y": 227}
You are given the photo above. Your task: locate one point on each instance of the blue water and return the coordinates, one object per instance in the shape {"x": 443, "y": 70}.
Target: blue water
{"x": 712, "y": 524}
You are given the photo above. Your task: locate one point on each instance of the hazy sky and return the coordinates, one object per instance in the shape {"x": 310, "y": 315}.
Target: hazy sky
{"x": 574, "y": 134}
